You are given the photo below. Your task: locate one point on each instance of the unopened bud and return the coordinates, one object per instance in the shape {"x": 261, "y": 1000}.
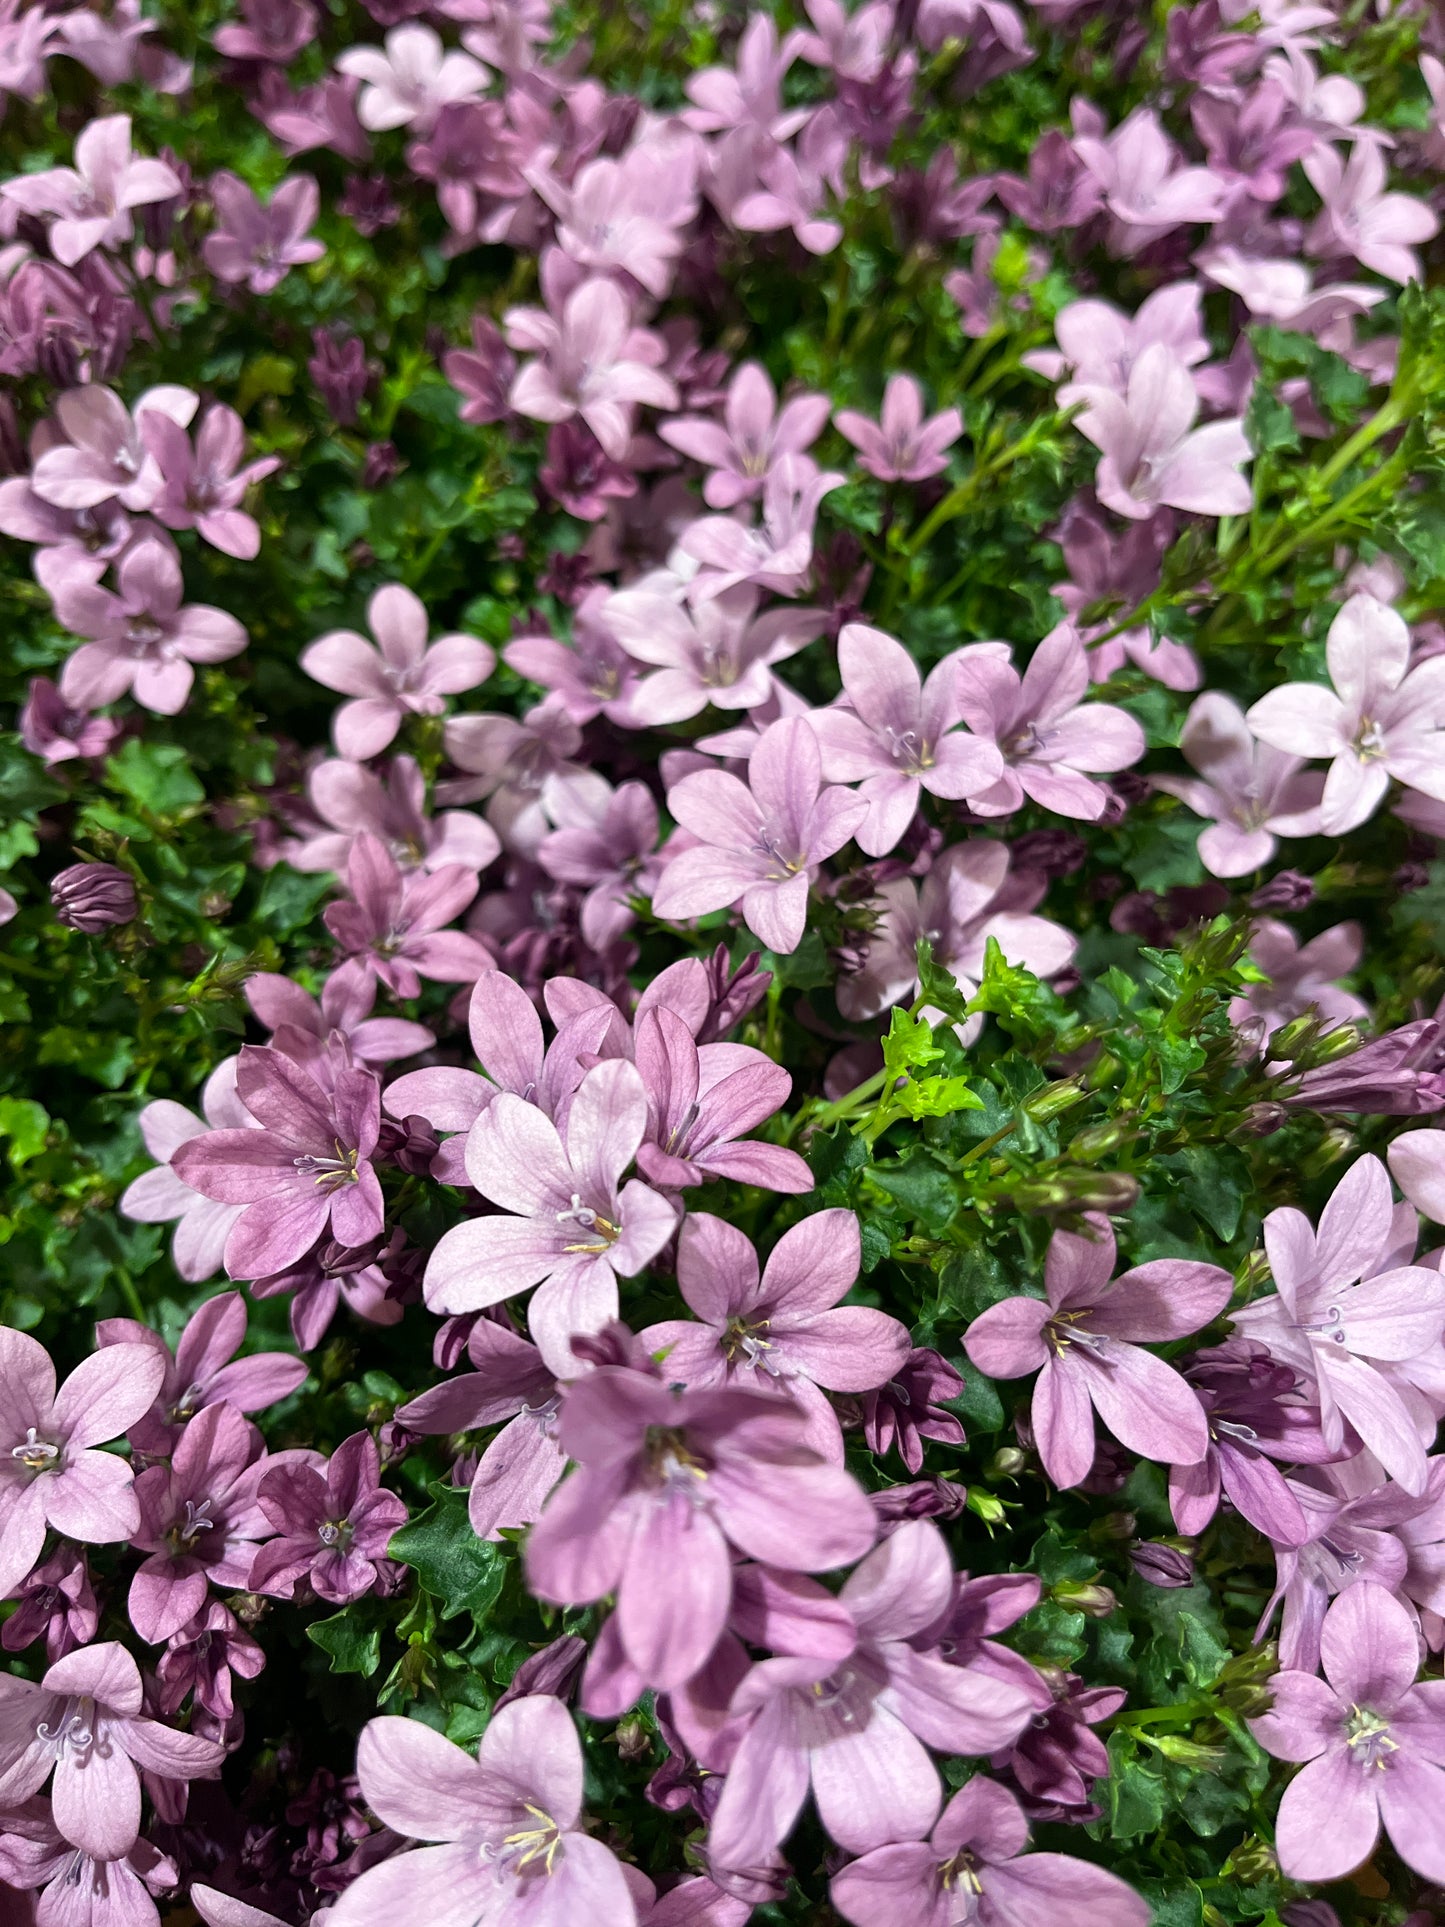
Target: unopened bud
{"x": 634, "y": 1741}
{"x": 1089, "y": 1597}
{"x": 1103, "y": 1071}
{"x": 1078, "y": 1190}
{"x": 986, "y": 1507}
{"x": 93, "y": 896}
{"x": 1292, "y": 1038}
{"x": 1116, "y": 1526}
{"x": 1006, "y": 1463}
{"x": 1053, "y": 1100}
{"x": 1252, "y": 1861}
{"x": 1337, "y": 1143}
{"x": 1161, "y": 1564}
{"x": 1203, "y": 1759}
{"x": 553, "y": 1671}
{"x": 1097, "y": 1141}
{"x": 1261, "y": 1120}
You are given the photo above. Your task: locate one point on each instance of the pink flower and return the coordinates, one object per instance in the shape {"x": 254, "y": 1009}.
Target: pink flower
{"x": 1150, "y": 451}
{"x": 56, "y": 733}
{"x": 630, "y": 215}
{"x": 259, "y": 244}
{"x": 1338, "y": 1330}
{"x": 568, "y": 1224}
{"x": 1372, "y": 1740}
{"x": 49, "y": 1473}
{"x": 334, "y": 1523}
{"x": 1047, "y": 735}
{"x": 784, "y": 1330}
{"x": 898, "y": 735}
{"x": 34, "y": 1853}
{"x": 203, "y": 487}
{"x": 307, "y": 1168}
{"x": 980, "y": 1840}
{"x": 758, "y": 842}
{"x": 1378, "y": 721}
{"x": 105, "y": 456}
{"x": 1085, "y": 1340}
{"x": 966, "y": 898}
{"x": 511, "y": 1848}
{"x": 777, "y": 555}
{"x": 90, "y": 204}
{"x": 159, "y": 1196}
{"x": 1301, "y": 977}
{"x": 304, "y": 1027}
{"x": 858, "y": 1731}
{"x": 700, "y": 1100}
{"x": 1284, "y": 292}
{"x": 520, "y": 1466}
{"x": 1253, "y": 792}
{"x": 1143, "y": 188}
{"x": 143, "y": 638}
{"x": 409, "y": 84}
{"x": 1380, "y": 230}
{"x": 401, "y": 675}
{"x": 593, "y": 675}
{"x": 900, "y": 446}
{"x": 592, "y": 362}
{"x": 353, "y": 801}
{"x": 605, "y": 846}
{"x": 719, "y": 651}
{"x": 666, "y": 1482}
{"x": 393, "y": 926}
{"x": 84, "y": 1721}
{"x": 743, "y": 452}
{"x": 748, "y": 96}
{"x": 1099, "y": 345}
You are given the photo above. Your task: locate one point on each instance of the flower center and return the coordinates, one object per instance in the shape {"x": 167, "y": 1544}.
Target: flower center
{"x": 530, "y": 1850}
{"x": 961, "y": 1875}
{"x": 1369, "y": 740}
{"x": 908, "y": 749}
{"x": 74, "y": 1732}
{"x": 746, "y": 1341}
{"x": 36, "y": 1454}
{"x": 1367, "y": 1735}
{"x": 330, "y": 1174}
{"x": 581, "y": 1214}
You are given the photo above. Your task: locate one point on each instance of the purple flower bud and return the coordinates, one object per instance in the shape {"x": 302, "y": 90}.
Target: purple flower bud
{"x": 1287, "y": 891}
{"x": 340, "y": 373}
{"x": 92, "y": 896}
{"x": 410, "y": 1145}
{"x": 936, "y": 1498}
{"x": 554, "y": 1670}
{"x": 383, "y": 464}
{"x": 1162, "y": 1565}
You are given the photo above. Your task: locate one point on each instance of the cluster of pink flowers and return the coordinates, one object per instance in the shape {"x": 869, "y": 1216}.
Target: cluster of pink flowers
{"x": 692, "y": 1474}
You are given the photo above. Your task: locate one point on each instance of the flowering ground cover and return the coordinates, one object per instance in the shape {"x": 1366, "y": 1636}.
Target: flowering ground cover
{"x": 723, "y": 963}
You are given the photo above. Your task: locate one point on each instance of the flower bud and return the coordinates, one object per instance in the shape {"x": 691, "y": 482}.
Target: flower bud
{"x": 1097, "y": 1141}
{"x": 1006, "y": 1463}
{"x": 1052, "y": 1100}
{"x": 1291, "y": 1038}
{"x": 93, "y": 896}
{"x": 554, "y": 1670}
{"x": 1252, "y": 1861}
{"x": 1162, "y": 1565}
{"x": 1089, "y": 1597}
{"x": 1287, "y": 891}
{"x": 1203, "y": 1759}
{"x": 1260, "y": 1120}
{"x": 984, "y": 1506}
{"x": 1115, "y": 1525}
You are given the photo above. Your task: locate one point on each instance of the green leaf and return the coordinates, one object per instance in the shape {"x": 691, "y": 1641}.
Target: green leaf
{"x": 978, "y": 1402}
{"x": 922, "y": 1187}
{"x": 155, "y": 776}
{"x": 26, "y": 1125}
{"x": 1138, "y": 1799}
{"x": 456, "y": 1567}
{"x": 353, "y": 1646}
{"x": 908, "y": 1045}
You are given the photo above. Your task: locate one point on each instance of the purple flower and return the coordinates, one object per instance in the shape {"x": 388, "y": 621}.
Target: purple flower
{"x": 56, "y": 733}
{"x": 319, "y": 1281}
{"x": 898, "y": 735}
{"x": 512, "y": 762}
{"x": 399, "y": 675}
{"x": 907, "y": 1410}
{"x": 777, "y": 555}
{"x": 605, "y": 846}
{"x": 1359, "y": 218}
{"x": 785, "y": 1329}
{"x": 84, "y": 1721}
{"x": 203, "y": 487}
{"x": 1372, "y": 1740}
{"x": 1328, "y": 1324}
{"x": 1060, "y": 192}
{"x": 719, "y": 651}
{"x": 976, "y": 1856}
{"x": 204, "y": 1371}
{"x": 666, "y": 1483}
{"x": 58, "y": 1601}
{"x": 900, "y": 446}
{"x": 304, "y": 1027}
{"x": 1389, "y": 1076}
{"x": 351, "y": 800}
{"x": 1056, "y": 1756}
{"x": 1151, "y": 454}
{"x": 260, "y": 243}
{"x": 393, "y": 926}
{"x": 49, "y": 1475}
{"x": 591, "y": 362}
{"x": 113, "y": 1893}
{"x": 90, "y": 204}
{"x": 758, "y": 842}
{"x": 1378, "y": 721}
{"x": 1143, "y": 189}
{"x": 700, "y": 1100}
{"x": 307, "y": 1169}
{"x": 967, "y": 897}
{"x": 1301, "y": 977}
{"x": 199, "y": 1521}
{"x": 1254, "y": 793}
{"x": 340, "y": 373}
{"x": 160, "y": 1197}
{"x": 410, "y": 83}
{"x": 335, "y": 1524}
{"x": 631, "y": 214}
{"x": 518, "y": 1469}
{"x": 273, "y": 31}
{"x": 199, "y": 1661}
{"x": 511, "y": 1849}
{"x": 858, "y": 1730}
{"x": 1256, "y": 1412}
{"x": 1048, "y": 737}
{"x": 569, "y": 1225}
{"x": 104, "y": 457}
{"x": 754, "y": 436}
{"x": 1352, "y": 1540}
{"x": 1085, "y": 1342}
{"x": 143, "y": 639}
{"x": 482, "y": 373}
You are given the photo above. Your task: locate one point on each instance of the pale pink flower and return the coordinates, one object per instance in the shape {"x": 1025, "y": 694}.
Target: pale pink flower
{"x": 630, "y": 214}
{"x": 259, "y": 243}
{"x": 901, "y": 446}
{"x": 753, "y": 437}
{"x": 720, "y": 651}
{"x": 90, "y": 203}
{"x": 1144, "y": 188}
{"x": 1359, "y": 218}
{"x": 409, "y": 84}
{"x": 202, "y": 487}
{"x": 160, "y": 1197}
{"x": 398, "y": 675}
{"x": 105, "y": 457}
{"x": 1254, "y": 793}
{"x": 747, "y": 97}
{"x": 1378, "y": 721}
{"x": 1301, "y": 977}
{"x": 776, "y": 556}
{"x": 354, "y": 801}
{"x": 1151, "y": 453}
{"x": 591, "y": 362}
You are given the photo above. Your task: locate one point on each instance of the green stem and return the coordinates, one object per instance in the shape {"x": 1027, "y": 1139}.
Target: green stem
{"x": 21, "y": 969}
{"x": 1183, "y": 1715}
